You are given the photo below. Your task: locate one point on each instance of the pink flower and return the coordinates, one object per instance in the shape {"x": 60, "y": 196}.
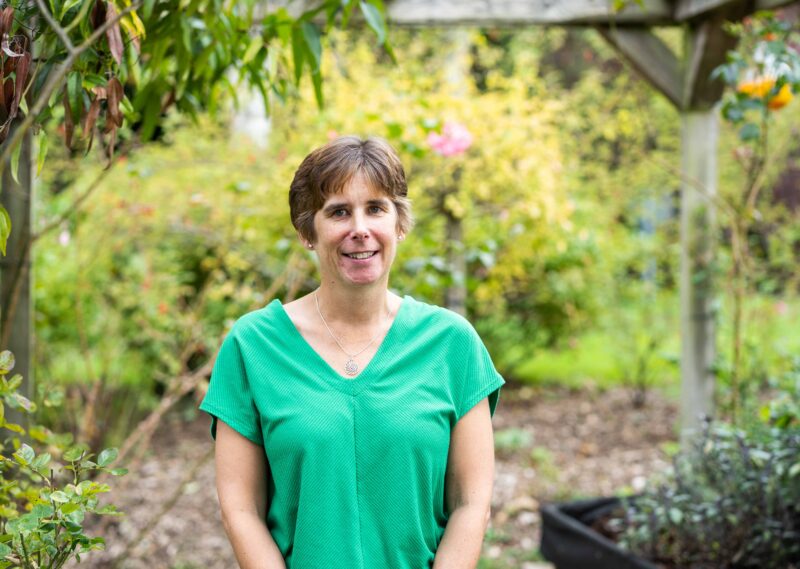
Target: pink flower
{"x": 64, "y": 238}
{"x": 454, "y": 140}
{"x": 332, "y": 134}
{"x": 781, "y": 308}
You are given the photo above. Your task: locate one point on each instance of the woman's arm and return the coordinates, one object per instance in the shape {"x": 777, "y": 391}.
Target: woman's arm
{"x": 468, "y": 489}
{"x": 242, "y": 473}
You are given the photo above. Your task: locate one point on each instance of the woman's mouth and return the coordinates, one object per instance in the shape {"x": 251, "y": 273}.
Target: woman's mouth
{"x": 361, "y": 254}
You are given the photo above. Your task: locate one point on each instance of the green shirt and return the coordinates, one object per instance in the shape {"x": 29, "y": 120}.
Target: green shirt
{"x": 357, "y": 465}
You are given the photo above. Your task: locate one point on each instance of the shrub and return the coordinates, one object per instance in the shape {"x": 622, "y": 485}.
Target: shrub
{"x": 41, "y": 513}
{"x": 731, "y": 500}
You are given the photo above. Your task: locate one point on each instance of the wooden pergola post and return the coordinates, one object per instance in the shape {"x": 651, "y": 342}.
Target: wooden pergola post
{"x": 699, "y": 133}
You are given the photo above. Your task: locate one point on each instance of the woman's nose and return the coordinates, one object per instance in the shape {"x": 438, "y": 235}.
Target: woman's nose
{"x": 359, "y": 229}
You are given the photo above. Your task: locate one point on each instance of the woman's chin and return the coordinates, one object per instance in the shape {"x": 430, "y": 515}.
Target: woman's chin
{"x": 363, "y": 278}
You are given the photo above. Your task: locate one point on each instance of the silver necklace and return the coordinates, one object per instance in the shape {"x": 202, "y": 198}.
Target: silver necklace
{"x": 350, "y": 367}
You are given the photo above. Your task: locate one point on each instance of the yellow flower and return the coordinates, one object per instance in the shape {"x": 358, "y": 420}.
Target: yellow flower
{"x": 757, "y": 87}
{"x": 782, "y": 99}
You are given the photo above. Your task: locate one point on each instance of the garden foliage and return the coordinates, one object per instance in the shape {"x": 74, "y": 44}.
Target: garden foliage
{"x": 565, "y": 195}
{"x": 46, "y": 493}
{"x": 100, "y": 65}
{"x": 732, "y": 499}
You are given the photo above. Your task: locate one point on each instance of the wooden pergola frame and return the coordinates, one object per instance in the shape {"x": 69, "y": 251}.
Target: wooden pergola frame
{"x": 684, "y": 79}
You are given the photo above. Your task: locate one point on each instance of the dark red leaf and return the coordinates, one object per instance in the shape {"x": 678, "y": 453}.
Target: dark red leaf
{"x": 98, "y": 16}
{"x": 112, "y": 141}
{"x": 114, "y": 35}
{"x": 6, "y": 21}
{"x": 115, "y": 95}
{"x": 3, "y": 104}
{"x": 89, "y": 122}
{"x": 8, "y": 84}
{"x": 19, "y": 82}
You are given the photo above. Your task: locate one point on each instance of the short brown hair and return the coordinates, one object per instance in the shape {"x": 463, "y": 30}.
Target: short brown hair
{"x": 329, "y": 168}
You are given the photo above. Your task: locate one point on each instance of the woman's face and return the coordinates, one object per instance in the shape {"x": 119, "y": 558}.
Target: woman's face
{"x": 356, "y": 235}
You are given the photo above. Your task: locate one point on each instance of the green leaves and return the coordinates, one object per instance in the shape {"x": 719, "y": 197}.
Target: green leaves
{"x": 375, "y": 20}
{"x": 75, "y": 453}
{"x": 41, "y": 462}
{"x": 312, "y": 42}
{"x": 42, "y": 152}
{"x": 15, "y": 155}
{"x": 52, "y": 531}
{"x": 750, "y": 131}
{"x": 255, "y": 46}
{"x": 59, "y": 497}
{"x": 168, "y": 55}
{"x": 24, "y": 455}
{"x": 107, "y": 456}
{"x": 727, "y": 482}
{"x": 5, "y": 229}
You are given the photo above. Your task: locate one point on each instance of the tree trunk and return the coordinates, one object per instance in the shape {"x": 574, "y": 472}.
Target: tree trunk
{"x": 15, "y": 274}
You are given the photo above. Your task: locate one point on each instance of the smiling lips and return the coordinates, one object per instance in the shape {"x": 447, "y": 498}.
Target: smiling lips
{"x": 360, "y": 254}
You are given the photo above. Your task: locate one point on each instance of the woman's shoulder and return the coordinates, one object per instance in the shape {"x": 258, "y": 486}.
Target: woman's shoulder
{"x": 261, "y": 320}
{"x": 437, "y": 318}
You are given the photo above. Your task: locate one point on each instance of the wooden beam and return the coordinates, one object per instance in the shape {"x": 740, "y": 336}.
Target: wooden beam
{"x": 690, "y": 9}
{"x": 695, "y": 40}
{"x": 521, "y": 12}
{"x": 650, "y": 57}
{"x": 707, "y": 45}
{"x": 516, "y": 13}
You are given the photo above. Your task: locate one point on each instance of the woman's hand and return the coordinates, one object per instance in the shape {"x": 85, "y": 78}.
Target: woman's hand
{"x": 468, "y": 489}
{"x": 242, "y": 474}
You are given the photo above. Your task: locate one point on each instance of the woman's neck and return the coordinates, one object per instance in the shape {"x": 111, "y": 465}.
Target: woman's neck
{"x": 354, "y": 307}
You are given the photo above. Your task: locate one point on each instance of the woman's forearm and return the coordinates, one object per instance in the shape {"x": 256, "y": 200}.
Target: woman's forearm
{"x": 252, "y": 543}
{"x": 460, "y": 547}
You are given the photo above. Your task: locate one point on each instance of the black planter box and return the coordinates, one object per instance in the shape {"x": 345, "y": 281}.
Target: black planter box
{"x": 569, "y": 542}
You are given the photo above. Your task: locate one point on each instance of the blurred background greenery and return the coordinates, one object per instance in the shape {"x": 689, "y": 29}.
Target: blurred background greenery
{"x": 567, "y": 198}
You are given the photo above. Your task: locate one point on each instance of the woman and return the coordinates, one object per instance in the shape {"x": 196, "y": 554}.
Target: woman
{"x": 353, "y": 426}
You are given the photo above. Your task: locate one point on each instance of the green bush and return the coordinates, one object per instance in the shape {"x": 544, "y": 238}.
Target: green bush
{"x": 43, "y": 502}
{"x": 731, "y": 500}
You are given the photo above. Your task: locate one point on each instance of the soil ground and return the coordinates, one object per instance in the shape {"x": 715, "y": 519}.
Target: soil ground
{"x": 551, "y": 444}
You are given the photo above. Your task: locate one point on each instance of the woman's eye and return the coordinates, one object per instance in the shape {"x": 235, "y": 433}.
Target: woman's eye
{"x": 339, "y": 212}
{"x": 375, "y": 209}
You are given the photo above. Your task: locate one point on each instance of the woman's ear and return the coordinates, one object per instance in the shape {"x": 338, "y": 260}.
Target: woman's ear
{"x": 306, "y": 243}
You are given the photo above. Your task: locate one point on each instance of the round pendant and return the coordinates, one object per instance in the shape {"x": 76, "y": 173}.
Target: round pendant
{"x": 351, "y": 367}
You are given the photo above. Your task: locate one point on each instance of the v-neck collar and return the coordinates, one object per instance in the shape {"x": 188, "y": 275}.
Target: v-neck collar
{"x": 321, "y": 368}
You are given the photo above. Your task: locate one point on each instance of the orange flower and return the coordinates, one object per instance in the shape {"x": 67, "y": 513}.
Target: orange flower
{"x": 760, "y": 87}
{"x": 782, "y": 99}
{"x": 756, "y": 88}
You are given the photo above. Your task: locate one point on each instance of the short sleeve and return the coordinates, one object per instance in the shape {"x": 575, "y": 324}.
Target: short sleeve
{"x": 229, "y": 397}
{"x": 479, "y": 378}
